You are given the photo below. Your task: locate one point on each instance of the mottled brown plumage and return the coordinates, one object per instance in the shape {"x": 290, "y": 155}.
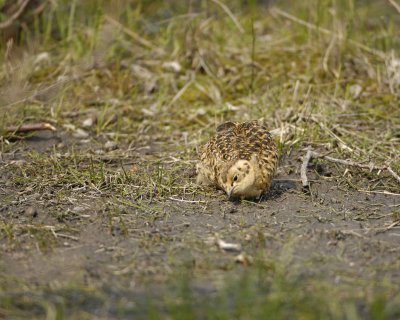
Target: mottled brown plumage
{"x": 240, "y": 159}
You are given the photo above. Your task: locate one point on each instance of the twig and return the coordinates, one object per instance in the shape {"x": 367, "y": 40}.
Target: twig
{"x": 15, "y": 16}
{"x": 391, "y": 226}
{"x": 230, "y": 14}
{"x": 351, "y": 163}
{"x": 227, "y": 246}
{"x": 379, "y": 192}
{"x": 375, "y": 52}
{"x": 130, "y": 33}
{"x": 66, "y": 236}
{"x": 353, "y": 233}
{"x": 52, "y": 229}
{"x": 395, "y": 5}
{"x": 303, "y": 169}
{"x": 394, "y": 174}
{"x": 369, "y": 166}
{"x": 62, "y": 235}
{"x": 30, "y": 127}
{"x": 39, "y": 8}
{"x": 187, "y": 201}
{"x": 311, "y": 154}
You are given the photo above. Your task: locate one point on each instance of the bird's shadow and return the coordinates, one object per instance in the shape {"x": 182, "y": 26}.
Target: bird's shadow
{"x": 277, "y": 189}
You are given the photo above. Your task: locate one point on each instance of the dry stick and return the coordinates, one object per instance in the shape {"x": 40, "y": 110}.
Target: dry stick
{"x": 327, "y": 54}
{"x": 15, "y": 16}
{"x": 303, "y": 169}
{"x": 311, "y": 154}
{"x": 30, "y": 127}
{"x": 282, "y": 13}
{"x": 394, "y": 174}
{"x": 395, "y": 5}
{"x": 391, "y": 226}
{"x": 370, "y": 166}
{"x": 130, "y": 33}
{"x": 40, "y": 8}
{"x": 187, "y": 201}
{"x": 350, "y": 163}
{"x": 66, "y": 236}
{"x": 380, "y": 192}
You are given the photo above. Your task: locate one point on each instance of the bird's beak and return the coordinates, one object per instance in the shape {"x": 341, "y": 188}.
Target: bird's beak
{"x": 230, "y": 192}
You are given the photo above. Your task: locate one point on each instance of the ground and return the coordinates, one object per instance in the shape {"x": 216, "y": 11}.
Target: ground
{"x": 102, "y": 218}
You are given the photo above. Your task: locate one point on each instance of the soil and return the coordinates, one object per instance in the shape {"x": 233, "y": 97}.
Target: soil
{"x": 330, "y": 231}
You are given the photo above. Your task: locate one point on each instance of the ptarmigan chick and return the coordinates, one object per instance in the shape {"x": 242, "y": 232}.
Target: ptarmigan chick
{"x": 240, "y": 159}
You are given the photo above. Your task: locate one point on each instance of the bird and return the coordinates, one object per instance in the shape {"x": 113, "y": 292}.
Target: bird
{"x": 241, "y": 159}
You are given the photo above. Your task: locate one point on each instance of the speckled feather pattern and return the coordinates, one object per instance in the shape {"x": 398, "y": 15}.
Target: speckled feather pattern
{"x": 239, "y": 140}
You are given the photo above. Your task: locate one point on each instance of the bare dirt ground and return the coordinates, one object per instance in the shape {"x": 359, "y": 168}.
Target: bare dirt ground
{"x": 106, "y": 255}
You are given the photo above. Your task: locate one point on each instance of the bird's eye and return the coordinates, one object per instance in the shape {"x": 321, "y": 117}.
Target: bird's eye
{"x": 235, "y": 178}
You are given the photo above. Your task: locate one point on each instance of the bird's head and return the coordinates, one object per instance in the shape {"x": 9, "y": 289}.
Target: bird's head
{"x": 240, "y": 179}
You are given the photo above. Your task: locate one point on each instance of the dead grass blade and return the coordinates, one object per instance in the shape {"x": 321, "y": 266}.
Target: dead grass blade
{"x": 395, "y": 5}
{"x": 15, "y": 16}
{"x": 129, "y": 32}
{"x": 311, "y": 26}
{"x": 230, "y": 14}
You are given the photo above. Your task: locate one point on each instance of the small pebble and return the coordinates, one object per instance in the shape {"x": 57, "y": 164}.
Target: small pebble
{"x": 355, "y": 90}
{"x": 78, "y": 209}
{"x": 89, "y": 122}
{"x": 99, "y": 152}
{"x": 172, "y": 66}
{"x": 42, "y": 58}
{"x": 110, "y": 145}
{"x": 31, "y": 212}
{"x": 80, "y": 134}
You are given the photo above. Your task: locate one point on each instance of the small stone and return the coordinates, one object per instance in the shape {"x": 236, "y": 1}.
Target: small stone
{"x": 148, "y": 112}
{"x": 80, "y": 134}
{"x": 172, "y": 66}
{"x": 244, "y": 259}
{"x": 114, "y": 102}
{"x": 31, "y": 212}
{"x": 78, "y": 209}
{"x": 201, "y": 112}
{"x": 141, "y": 72}
{"x": 226, "y": 246}
{"x": 232, "y": 107}
{"x": 355, "y": 90}
{"x": 18, "y": 162}
{"x": 99, "y": 152}
{"x": 89, "y": 122}
{"x": 62, "y": 78}
{"x": 110, "y": 145}
{"x": 42, "y": 58}
{"x": 69, "y": 126}
{"x": 35, "y": 196}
